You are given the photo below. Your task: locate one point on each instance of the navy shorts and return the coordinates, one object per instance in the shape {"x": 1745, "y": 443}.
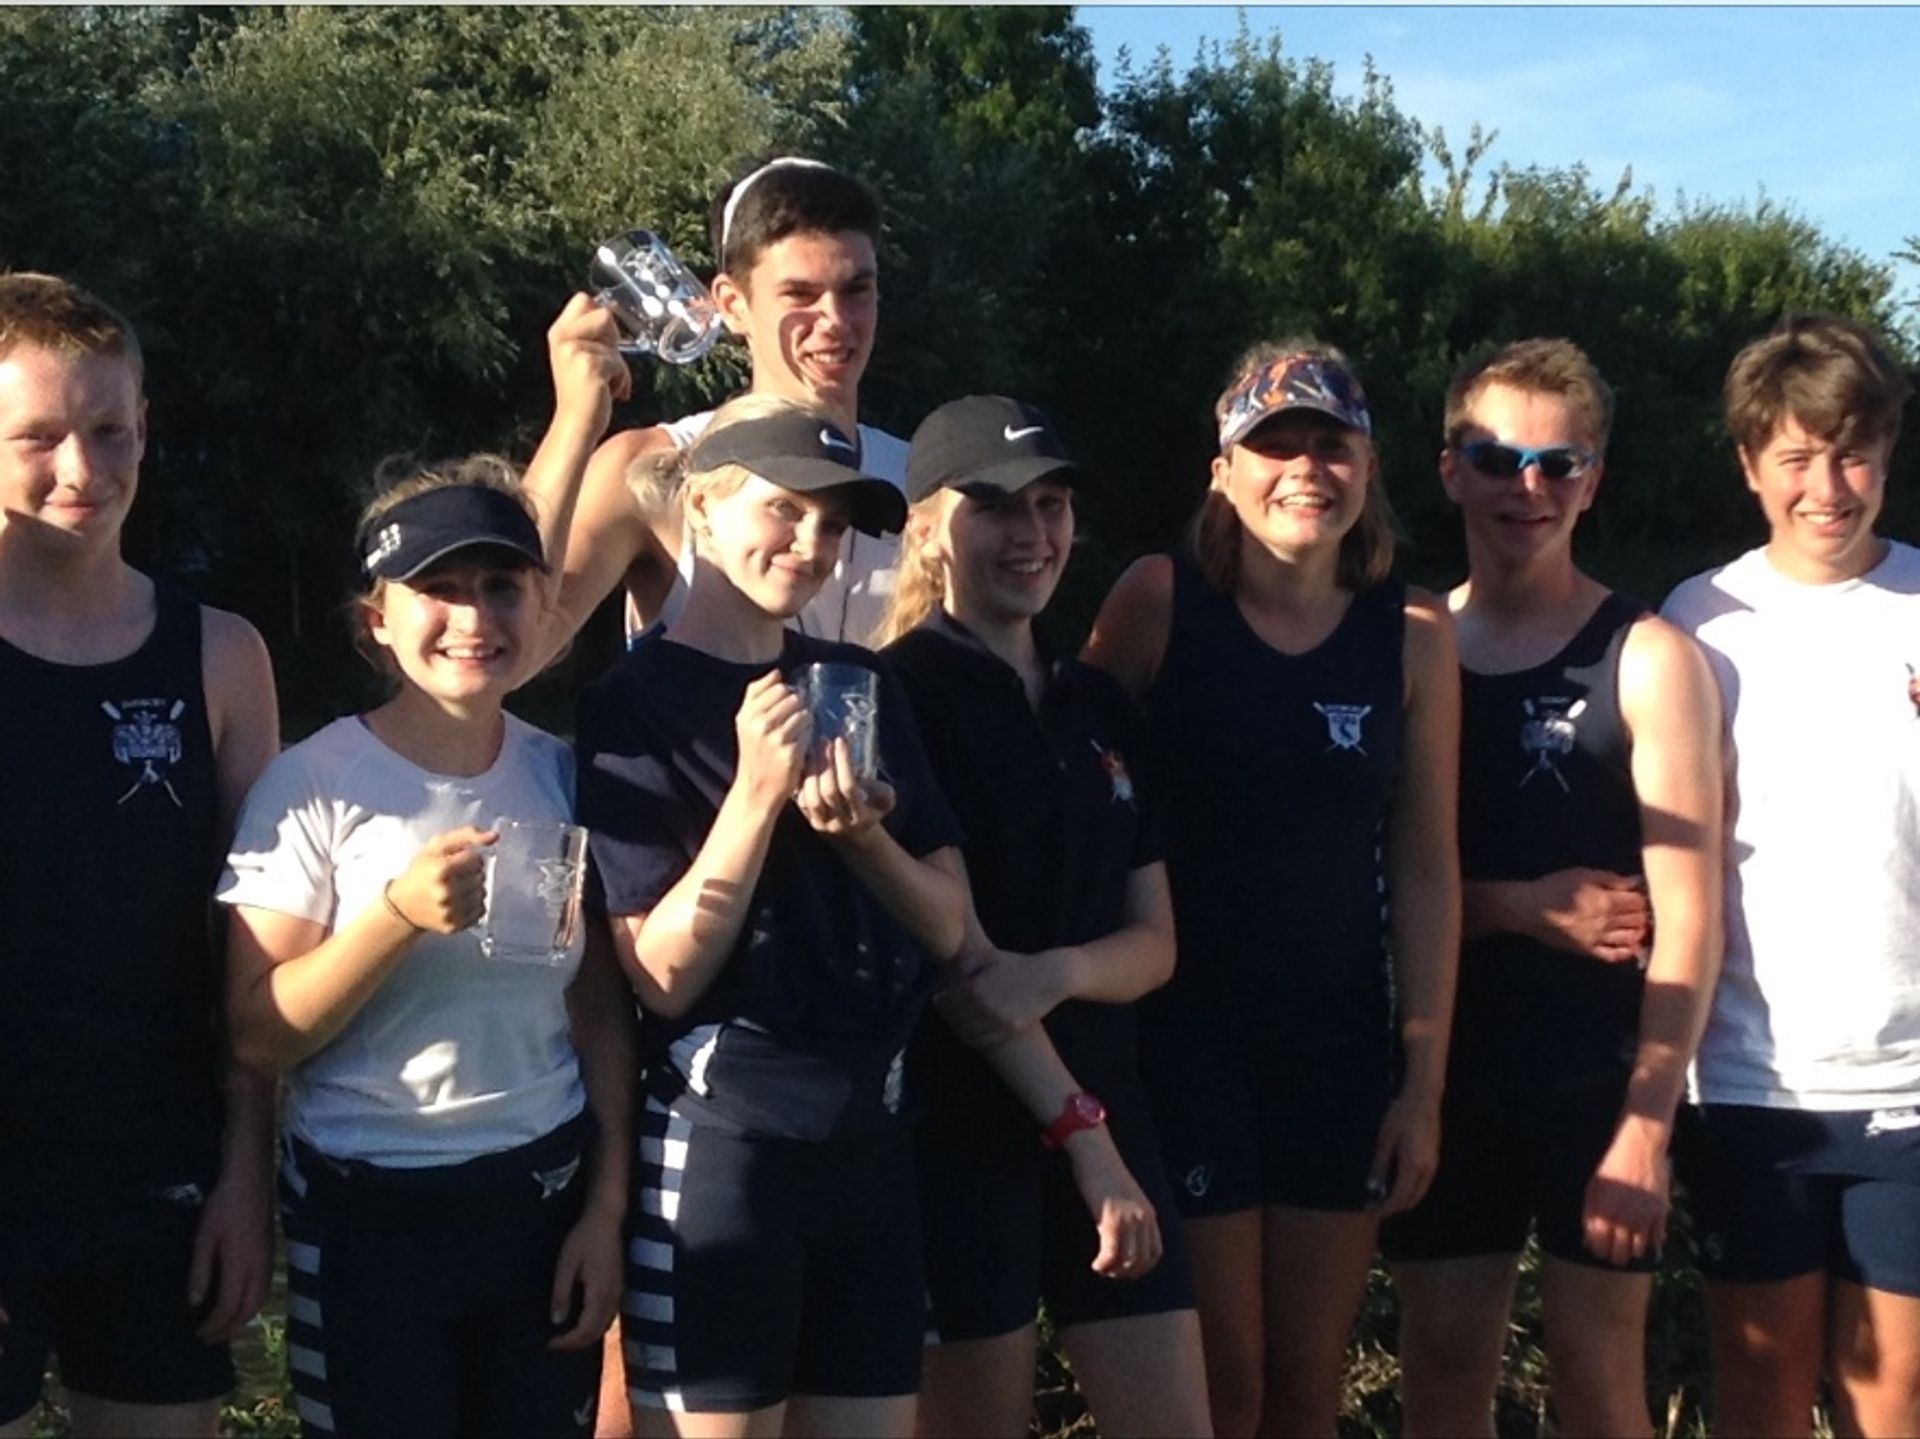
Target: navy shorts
{"x": 107, "y": 1292}
{"x": 1293, "y": 1126}
{"x": 1007, "y": 1230}
{"x": 1508, "y": 1162}
{"x": 762, "y": 1267}
{"x": 1777, "y": 1193}
{"x": 418, "y": 1299}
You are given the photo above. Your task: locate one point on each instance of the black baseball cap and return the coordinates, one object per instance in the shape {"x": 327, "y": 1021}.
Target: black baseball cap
{"x": 425, "y": 528}
{"x": 803, "y": 452}
{"x": 986, "y": 441}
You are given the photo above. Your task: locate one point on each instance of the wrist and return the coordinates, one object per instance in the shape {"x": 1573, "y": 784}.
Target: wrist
{"x": 399, "y": 915}
{"x": 1081, "y": 1113}
{"x": 1065, "y": 973}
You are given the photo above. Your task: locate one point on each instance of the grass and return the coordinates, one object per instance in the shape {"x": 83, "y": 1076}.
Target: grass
{"x": 1677, "y": 1373}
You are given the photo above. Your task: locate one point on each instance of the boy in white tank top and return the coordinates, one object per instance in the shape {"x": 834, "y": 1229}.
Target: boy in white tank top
{"x": 799, "y": 283}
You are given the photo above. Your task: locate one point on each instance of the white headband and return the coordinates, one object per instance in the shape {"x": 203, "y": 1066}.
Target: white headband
{"x": 733, "y": 198}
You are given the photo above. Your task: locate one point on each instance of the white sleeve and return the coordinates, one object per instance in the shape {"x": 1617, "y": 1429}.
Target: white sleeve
{"x": 282, "y": 857}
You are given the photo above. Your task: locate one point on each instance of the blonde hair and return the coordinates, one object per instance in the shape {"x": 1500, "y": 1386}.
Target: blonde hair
{"x": 920, "y": 583}
{"x": 662, "y": 479}
{"x": 1214, "y": 534}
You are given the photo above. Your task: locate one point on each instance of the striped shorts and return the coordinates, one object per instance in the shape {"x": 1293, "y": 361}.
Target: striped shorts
{"x": 763, "y": 1267}
{"x": 418, "y": 1299}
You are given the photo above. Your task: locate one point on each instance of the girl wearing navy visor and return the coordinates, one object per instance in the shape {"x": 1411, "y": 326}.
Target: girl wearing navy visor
{"x": 1028, "y": 1180}
{"x": 781, "y": 919}
{"x": 458, "y": 1125}
{"x": 1302, "y": 714}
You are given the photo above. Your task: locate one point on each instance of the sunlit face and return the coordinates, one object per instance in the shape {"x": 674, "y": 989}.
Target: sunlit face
{"x": 775, "y": 546}
{"x": 1821, "y": 499}
{"x": 1298, "y": 482}
{"x": 1002, "y": 554}
{"x": 72, "y": 434}
{"x": 1517, "y": 517}
{"x": 807, "y": 310}
{"x": 463, "y": 629}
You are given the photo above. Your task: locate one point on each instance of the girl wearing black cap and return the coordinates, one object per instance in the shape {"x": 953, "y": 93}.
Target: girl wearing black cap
{"x": 1072, "y": 922}
{"x": 1302, "y": 717}
{"x": 780, "y": 918}
{"x": 458, "y": 1124}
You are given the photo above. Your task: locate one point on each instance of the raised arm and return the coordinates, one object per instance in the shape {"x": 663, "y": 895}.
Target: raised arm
{"x": 1129, "y": 638}
{"x": 608, "y": 535}
{"x": 1672, "y": 712}
{"x": 1423, "y": 885}
{"x": 588, "y": 376}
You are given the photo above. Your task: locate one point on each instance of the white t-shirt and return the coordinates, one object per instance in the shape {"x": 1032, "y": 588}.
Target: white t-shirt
{"x": 456, "y": 1055}
{"x": 1818, "y": 1005}
{"x": 850, "y": 604}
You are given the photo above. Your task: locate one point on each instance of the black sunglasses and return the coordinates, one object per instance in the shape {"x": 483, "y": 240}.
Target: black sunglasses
{"x": 1503, "y": 462}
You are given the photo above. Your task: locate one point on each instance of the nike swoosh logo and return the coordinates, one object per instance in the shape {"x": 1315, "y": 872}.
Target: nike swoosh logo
{"x": 1012, "y": 434}
{"x": 834, "y": 442}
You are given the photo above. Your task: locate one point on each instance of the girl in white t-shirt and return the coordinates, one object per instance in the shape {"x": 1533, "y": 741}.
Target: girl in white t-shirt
{"x": 457, "y": 1124}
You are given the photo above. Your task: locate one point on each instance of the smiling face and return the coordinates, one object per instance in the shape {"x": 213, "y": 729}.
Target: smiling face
{"x": 462, "y": 629}
{"x": 1298, "y": 483}
{"x": 1002, "y": 554}
{"x": 1821, "y": 497}
{"x": 72, "y": 434}
{"x": 1518, "y": 518}
{"x": 807, "y": 310}
{"x": 775, "y": 546}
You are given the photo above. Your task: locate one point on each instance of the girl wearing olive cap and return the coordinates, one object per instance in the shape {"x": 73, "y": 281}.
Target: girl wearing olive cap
{"x": 1303, "y": 723}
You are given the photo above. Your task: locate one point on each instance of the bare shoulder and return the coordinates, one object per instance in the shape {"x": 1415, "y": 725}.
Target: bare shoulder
{"x": 237, "y": 672}
{"x": 1129, "y": 637}
{"x": 1663, "y": 671}
{"x": 607, "y": 501}
{"x": 1431, "y": 646}
{"x": 231, "y": 647}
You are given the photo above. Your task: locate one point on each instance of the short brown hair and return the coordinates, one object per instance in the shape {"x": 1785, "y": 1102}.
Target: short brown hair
{"x": 1540, "y": 367}
{"x": 57, "y": 314}
{"x": 1366, "y": 550}
{"x": 788, "y": 199}
{"x": 1833, "y": 375}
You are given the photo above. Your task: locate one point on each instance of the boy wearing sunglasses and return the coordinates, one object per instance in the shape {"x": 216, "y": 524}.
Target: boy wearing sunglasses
{"x": 1590, "y": 802}
{"x": 1801, "y": 1154}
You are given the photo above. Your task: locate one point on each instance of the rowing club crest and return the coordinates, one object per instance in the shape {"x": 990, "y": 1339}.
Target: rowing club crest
{"x": 1343, "y": 726}
{"x": 146, "y": 735}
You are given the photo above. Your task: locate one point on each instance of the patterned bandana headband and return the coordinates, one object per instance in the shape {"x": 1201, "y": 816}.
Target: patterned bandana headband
{"x": 733, "y": 197}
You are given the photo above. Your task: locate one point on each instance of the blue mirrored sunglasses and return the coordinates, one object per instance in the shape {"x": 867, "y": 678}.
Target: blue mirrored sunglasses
{"x": 1503, "y": 462}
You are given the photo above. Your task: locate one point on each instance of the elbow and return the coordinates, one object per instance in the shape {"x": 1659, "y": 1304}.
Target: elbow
{"x": 1160, "y": 972}
{"x": 266, "y": 1049}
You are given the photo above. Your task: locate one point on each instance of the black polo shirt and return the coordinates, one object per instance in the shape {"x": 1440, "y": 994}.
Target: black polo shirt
{"x": 1056, "y": 820}
{"x": 824, "y": 984}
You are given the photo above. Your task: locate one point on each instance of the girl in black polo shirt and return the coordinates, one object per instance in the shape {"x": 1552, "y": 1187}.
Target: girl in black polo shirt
{"x": 780, "y": 920}
{"x": 1303, "y": 721}
{"x": 1037, "y": 753}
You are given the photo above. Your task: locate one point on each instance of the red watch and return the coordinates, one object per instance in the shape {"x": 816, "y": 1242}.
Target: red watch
{"x": 1082, "y": 1110}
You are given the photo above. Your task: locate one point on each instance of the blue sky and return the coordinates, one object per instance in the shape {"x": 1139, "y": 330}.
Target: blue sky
{"x": 1816, "y": 108}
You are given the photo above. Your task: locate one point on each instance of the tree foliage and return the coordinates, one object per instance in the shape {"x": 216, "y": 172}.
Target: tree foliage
{"x": 342, "y": 231}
